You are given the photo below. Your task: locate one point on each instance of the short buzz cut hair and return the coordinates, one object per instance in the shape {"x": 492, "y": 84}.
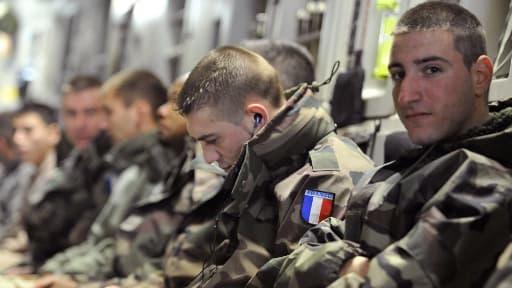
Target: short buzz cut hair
{"x": 293, "y": 62}
{"x": 47, "y": 113}
{"x": 131, "y": 85}
{"x": 224, "y": 78}
{"x": 81, "y": 83}
{"x": 469, "y": 35}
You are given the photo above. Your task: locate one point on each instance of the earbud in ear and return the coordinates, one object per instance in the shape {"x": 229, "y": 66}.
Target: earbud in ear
{"x": 257, "y": 119}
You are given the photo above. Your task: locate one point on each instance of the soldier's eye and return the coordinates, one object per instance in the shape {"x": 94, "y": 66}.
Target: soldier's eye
{"x": 432, "y": 70}
{"x": 397, "y": 75}
{"x": 212, "y": 141}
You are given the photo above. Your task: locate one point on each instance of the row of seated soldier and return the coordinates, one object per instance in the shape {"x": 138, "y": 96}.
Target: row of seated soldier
{"x": 288, "y": 202}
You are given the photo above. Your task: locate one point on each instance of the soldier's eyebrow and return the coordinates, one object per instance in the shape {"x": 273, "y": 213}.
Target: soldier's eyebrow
{"x": 431, "y": 59}
{"x": 394, "y": 65}
{"x": 205, "y": 137}
{"x": 420, "y": 61}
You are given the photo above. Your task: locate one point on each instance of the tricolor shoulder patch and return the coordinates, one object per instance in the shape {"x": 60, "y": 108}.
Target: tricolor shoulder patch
{"x": 316, "y": 206}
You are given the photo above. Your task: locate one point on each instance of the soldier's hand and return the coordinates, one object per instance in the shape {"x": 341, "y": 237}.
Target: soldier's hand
{"x": 55, "y": 281}
{"x": 358, "y": 265}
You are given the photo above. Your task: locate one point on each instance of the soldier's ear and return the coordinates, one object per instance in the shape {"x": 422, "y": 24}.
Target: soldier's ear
{"x": 258, "y": 113}
{"x": 481, "y": 73}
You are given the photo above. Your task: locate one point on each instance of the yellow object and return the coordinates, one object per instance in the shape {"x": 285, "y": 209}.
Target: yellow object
{"x": 387, "y": 4}
{"x": 384, "y": 51}
{"x": 381, "y": 67}
{"x": 9, "y": 94}
{"x": 389, "y": 24}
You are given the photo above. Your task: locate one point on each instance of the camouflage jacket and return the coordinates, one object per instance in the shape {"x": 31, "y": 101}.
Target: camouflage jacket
{"x": 157, "y": 219}
{"x": 146, "y": 160}
{"x": 143, "y": 237}
{"x": 437, "y": 217}
{"x": 295, "y": 159}
{"x": 71, "y": 200}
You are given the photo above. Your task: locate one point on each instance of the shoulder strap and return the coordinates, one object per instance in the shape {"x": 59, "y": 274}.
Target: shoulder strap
{"x": 356, "y": 209}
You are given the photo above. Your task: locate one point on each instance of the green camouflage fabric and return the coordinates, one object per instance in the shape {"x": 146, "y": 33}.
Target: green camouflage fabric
{"x": 150, "y": 160}
{"x": 70, "y": 202}
{"x": 142, "y": 238}
{"x": 437, "y": 217}
{"x": 296, "y": 151}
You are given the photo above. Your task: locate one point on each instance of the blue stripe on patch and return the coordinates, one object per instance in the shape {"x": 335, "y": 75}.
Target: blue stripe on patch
{"x": 306, "y": 206}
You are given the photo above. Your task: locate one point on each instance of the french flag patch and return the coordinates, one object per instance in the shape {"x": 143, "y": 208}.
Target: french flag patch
{"x": 316, "y": 206}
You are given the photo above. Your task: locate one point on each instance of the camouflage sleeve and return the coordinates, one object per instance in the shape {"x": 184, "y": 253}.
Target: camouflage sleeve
{"x": 142, "y": 239}
{"x": 54, "y": 264}
{"x": 316, "y": 262}
{"x": 61, "y": 220}
{"x": 187, "y": 254}
{"x": 236, "y": 260}
{"x": 94, "y": 258}
{"x": 447, "y": 247}
{"x": 84, "y": 262}
{"x": 63, "y": 216}
{"x": 238, "y": 269}
{"x": 450, "y": 244}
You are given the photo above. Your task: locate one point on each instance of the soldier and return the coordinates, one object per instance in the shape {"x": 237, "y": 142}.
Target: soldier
{"x": 440, "y": 215}
{"x": 139, "y": 159}
{"x": 35, "y": 136}
{"x": 34, "y": 120}
{"x": 63, "y": 216}
{"x": 283, "y": 163}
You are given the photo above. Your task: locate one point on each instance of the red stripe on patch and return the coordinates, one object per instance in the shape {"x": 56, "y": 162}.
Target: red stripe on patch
{"x": 325, "y": 211}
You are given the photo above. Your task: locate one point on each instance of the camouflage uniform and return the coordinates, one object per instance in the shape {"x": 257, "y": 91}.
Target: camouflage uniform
{"x": 142, "y": 238}
{"x": 71, "y": 201}
{"x": 147, "y": 161}
{"x": 296, "y": 153}
{"x": 437, "y": 217}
